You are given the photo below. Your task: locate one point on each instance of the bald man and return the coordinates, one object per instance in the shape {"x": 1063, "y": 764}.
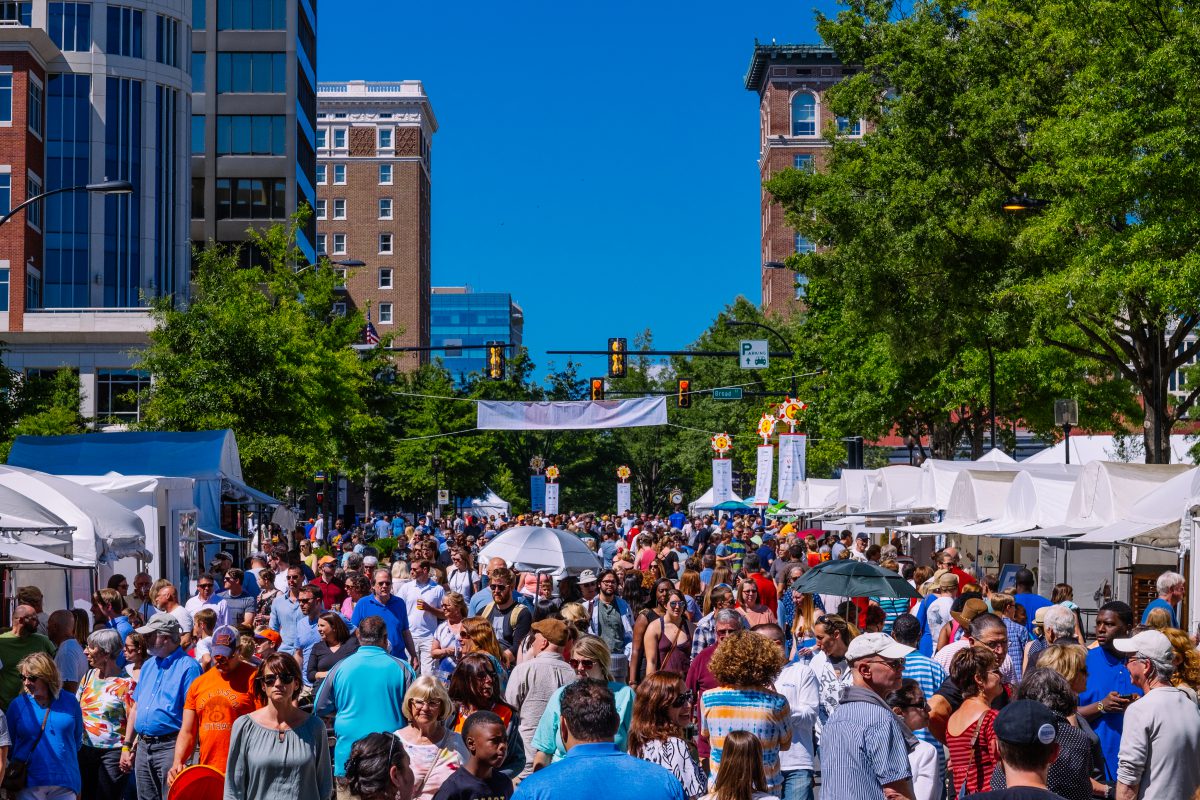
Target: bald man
{"x": 484, "y": 596}
{"x": 21, "y": 641}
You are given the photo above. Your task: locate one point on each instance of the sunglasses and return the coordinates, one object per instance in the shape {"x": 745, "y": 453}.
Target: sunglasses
{"x": 684, "y": 699}
{"x": 28, "y": 679}
{"x": 204, "y": 585}
{"x": 921, "y": 706}
{"x": 283, "y": 678}
{"x": 582, "y": 663}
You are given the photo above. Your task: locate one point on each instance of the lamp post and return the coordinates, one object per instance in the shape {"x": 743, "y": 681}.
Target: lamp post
{"x": 436, "y": 464}
{"x": 911, "y": 441}
{"x": 1066, "y": 414}
{"x": 102, "y": 187}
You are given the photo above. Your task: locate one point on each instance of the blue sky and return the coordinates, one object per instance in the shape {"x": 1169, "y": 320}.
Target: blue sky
{"x": 595, "y": 159}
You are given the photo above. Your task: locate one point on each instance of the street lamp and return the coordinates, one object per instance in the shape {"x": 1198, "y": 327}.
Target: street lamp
{"x": 1066, "y": 414}
{"x": 101, "y": 187}
{"x": 1018, "y": 204}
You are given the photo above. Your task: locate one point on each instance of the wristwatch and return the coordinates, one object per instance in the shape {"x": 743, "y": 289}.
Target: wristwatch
{"x": 1100, "y": 708}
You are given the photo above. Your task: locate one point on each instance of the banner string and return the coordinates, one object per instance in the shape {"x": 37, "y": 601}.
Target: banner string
{"x": 437, "y": 435}
{"x": 481, "y": 400}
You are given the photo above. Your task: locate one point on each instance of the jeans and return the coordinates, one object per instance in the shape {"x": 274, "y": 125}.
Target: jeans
{"x": 797, "y": 785}
{"x": 620, "y": 667}
{"x": 100, "y": 770}
{"x": 151, "y": 764}
{"x": 46, "y": 793}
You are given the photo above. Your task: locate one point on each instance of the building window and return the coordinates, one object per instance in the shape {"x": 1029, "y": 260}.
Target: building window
{"x": 197, "y": 198}
{"x": 167, "y": 235}
{"x": 124, "y": 32}
{"x": 197, "y": 135}
{"x": 385, "y": 138}
{"x": 6, "y": 84}
{"x": 321, "y": 244}
{"x": 4, "y": 289}
{"x": 67, "y": 269}
{"x": 339, "y": 138}
{"x": 258, "y": 135}
{"x": 803, "y": 162}
{"x": 339, "y": 174}
{"x": 37, "y": 103}
{"x": 339, "y": 208}
{"x": 339, "y": 309}
{"x": 246, "y": 73}
{"x": 21, "y": 12}
{"x": 385, "y": 243}
{"x": 199, "y": 14}
{"x": 804, "y": 245}
{"x": 321, "y": 205}
{"x": 339, "y": 244}
{"x": 251, "y": 15}
{"x": 123, "y": 239}
{"x": 801, "y": 286}
{"x": 119, "y": 394}
{"x": 385, "y": 174}
{"x": 199, "y": 63}
{"x": 340, "y": 274}
{"x": 804, "y": 114}
{"x": 322, "y": 176}
{"x": 846, "y": 128}
{"x": 5, "y": 192}
{"x": 385, "y": 278}
{"x": 385, "y": 313}
{"x": 166, "y": 40}
{"x": 250, "y": 198}
{"x": 70, "y": 26}
{"x": 33, "y": 213}
{"x": 322, "y": 138}
{"x": 385, "y": 208}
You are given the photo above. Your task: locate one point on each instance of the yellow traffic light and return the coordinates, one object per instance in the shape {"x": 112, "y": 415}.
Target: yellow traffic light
{"x": 597, "y": 389}
{"x": 685, "y": 393}
{"x": 616, "y": 358}
{"x": 495, "y": 361}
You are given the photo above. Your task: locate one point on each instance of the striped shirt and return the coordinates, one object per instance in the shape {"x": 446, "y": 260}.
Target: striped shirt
{"x": 930, "y": 675}
{"x": 765, "y": 714}
{"x": 1018, "y": 637}
{"x": 892, "y": 608}
{"x": 870, "y": 752}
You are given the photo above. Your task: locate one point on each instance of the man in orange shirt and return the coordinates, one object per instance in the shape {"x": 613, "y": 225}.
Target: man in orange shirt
{"x": 214, "y": 701}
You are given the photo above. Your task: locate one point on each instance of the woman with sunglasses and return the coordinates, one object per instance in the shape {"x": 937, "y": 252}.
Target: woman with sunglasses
{"x": 969, "y": 734}
{"x": 909, "y": 704}
{"x": 46, "y": 727}
{"x": 475, "y": 686}
{"x": 662, "y": 712}
{"x": 668, "y": 639}
{"x": 829, "y": 665}
{"x": 755, "y": 612}
{"x": 378, "y": 769}
{"x": 433, "y": 751}
{"x": 135, "y": 653}
{"x": 278, "y": 752}
{"x": 478, "y": 636}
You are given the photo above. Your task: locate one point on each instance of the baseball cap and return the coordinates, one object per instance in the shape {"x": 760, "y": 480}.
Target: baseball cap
{"x": 587, "y": 576}
{"x": 1026, "y": 722}
{"x": 945, "y": 579}
{"x": 162, "y": 622}
{"x": 555, "y": 630}
{"x": 269, "y": 635}
{"x": 224, "y": 555}
{"x": 1151, "y": 644}
{"x": 323, "y": 560}
{"x": 864, "y": 536}
{"x": 224, "y": 641}
{"x": 370, "y": 561}
{"x": 876, "y": 644}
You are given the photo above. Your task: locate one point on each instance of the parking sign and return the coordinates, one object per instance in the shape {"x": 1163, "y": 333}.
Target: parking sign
{"x": 754, "y": 354}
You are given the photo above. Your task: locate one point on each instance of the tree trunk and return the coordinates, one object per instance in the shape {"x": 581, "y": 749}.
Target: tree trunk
{"x": 1158, "y": 420}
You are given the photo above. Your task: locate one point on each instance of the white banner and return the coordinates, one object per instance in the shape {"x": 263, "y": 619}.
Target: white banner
{"x": 791, "y": 463}
{"x": 762, "y": 481}
{"x": 623, "y": 498}
{"x": 722, "y": 491}
{"x": 551, "y": 498}
{"x": 503, "y": 415}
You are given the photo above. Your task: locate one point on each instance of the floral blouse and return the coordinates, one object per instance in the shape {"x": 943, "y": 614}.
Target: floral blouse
{"x": 105, "y": 705}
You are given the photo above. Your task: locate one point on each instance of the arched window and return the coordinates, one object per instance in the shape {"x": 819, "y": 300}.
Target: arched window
{"x": 804, "y": 114}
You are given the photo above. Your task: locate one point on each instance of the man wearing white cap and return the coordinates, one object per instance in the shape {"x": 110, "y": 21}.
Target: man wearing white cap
{"x": 868, "y": 744}
{"x": 1161, "y": 736}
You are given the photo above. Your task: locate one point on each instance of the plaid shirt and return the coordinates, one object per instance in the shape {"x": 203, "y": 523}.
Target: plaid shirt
{"x": 1018, "y": 637}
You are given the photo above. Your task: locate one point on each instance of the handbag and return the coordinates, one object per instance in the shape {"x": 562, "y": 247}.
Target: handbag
{"x": 962, "y": 791}
{"x": 16, "y": 774}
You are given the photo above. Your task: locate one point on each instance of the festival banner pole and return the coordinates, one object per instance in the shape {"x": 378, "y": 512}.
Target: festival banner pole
{"x": 722, "y": 469}
{"x": 623, "y": 490}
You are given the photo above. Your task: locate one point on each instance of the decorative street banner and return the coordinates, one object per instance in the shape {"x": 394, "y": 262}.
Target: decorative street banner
{"x": 537, "y": 492}
{"x": 551, "y": 498}
{"x": 505, "y": 415}
{"x": 791, "y": 463}
{"x": 722, "y": 481}
{"x": 623, "y": 498}
{"x": 762, "y": 481}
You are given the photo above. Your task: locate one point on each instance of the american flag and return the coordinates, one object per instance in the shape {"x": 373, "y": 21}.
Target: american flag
{"x": 370, "y": 334}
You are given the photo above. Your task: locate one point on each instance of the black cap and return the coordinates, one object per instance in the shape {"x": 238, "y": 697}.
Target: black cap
{"x": 1025, "y": 722}
{"x": 866, "y": 537}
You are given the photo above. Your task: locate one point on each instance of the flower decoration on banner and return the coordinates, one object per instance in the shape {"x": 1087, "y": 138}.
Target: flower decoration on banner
{"x": 791, "y": 411}
{"x": 537, "y": 463}
{"x": 766, "y": 427}
{"x": 623, "y": 472}
{"x": 551, "y": 473}
{"x": 722, "y": 443}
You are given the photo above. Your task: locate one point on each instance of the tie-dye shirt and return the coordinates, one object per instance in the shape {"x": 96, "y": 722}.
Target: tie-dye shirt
{"x": 105, "y": 705}
{"x": 760, "y": 712}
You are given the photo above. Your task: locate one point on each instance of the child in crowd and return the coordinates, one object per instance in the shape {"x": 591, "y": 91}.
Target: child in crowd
{"x": 480, "y": 779}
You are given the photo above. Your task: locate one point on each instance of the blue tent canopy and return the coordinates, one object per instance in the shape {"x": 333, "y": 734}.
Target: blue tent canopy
{"x": 209, "y": 457}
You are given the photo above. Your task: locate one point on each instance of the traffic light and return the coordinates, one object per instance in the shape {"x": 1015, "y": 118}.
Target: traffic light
{"x": 616, "y": 358}
{"x": 597, "y": 389}
{"x": 495, "y": 361}
{"x": 685, "y": 393}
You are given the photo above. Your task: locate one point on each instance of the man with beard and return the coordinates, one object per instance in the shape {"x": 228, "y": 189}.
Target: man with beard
{"x": 21, "y": 641}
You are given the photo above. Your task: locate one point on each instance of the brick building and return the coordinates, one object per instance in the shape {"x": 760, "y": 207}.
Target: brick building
{"x": 791, "y": 81}
{"x": 373, "y": 201}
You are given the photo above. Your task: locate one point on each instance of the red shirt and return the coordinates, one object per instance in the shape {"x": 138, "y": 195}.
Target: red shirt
{"x": 963, "y": 579}
{"x": 766, "y": 590}
{"x": 332, "y": 594}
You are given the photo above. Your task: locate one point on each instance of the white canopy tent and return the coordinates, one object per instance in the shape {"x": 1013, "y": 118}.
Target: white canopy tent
{"x": 977, "y": 495}
{"x": 1154, "y": 519}
{"x": 996, "y": 455}
{"x": 705, "y": 502}
{"x": 895, "y": 487}
{"x": 1106, "y": 491}
{"x": 814, "y": 494}
{"x": 854, "y": 489}
{"x": 490, "y": 505}
{"x": 1036, "y": 499}
{"x": 1086, "y": 449}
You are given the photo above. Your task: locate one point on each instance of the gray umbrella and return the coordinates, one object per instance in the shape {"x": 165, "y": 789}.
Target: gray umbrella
{"x": 850, "y": 578}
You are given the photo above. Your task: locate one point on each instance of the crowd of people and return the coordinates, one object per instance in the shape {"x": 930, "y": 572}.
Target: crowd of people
{"x": 686, "y": 666}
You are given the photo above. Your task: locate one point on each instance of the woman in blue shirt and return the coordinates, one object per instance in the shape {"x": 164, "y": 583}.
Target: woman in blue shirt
{"x": 46, "y": 727}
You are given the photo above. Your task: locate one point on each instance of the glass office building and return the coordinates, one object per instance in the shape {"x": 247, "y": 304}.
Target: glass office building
{"x": 460, "y": 318}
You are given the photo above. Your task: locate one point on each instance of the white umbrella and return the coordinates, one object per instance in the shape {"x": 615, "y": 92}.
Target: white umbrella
{"x": 529, "y": 549}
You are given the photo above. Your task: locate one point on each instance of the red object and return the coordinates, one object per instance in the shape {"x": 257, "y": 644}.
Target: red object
{"x": 198, "y": 782}
{"x": 766, "y": 590}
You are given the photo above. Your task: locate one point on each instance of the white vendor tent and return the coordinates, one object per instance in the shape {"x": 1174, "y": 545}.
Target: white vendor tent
{"x": 854, "y": 491}
{"x": 1106, "y": 491}
{"x": 1036, "y": 499}
{"x": 705, "y": 502}
{"x": 977, "y": 495}
{"x": 1154, "y": 519}
{"x": 490, "y": 505}
{"x": 996, "y": 455}
{"x": 896, "y": 487}
{"x": 1085, "y": 449}
{"x": 814, "y": 494}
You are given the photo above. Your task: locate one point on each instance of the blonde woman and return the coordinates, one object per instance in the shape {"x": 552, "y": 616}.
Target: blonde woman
{"x": 46, "y": 727}
{"x": 447, "y": 639}
{"x": 433, "y": 751}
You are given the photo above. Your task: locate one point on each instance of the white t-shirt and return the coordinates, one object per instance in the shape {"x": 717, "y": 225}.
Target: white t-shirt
{"x": 203, "y": 648}
{"x": 421, "y": 623}
{"x": 185, "y": 619}
{"x": 923, "y": 762}
{"x": 71, "y": 661}
{"x": 194, "y": 604}
{"x": 938, "y": 616}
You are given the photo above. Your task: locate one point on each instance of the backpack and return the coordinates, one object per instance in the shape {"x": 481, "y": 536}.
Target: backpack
{"x": 514, "y": 614}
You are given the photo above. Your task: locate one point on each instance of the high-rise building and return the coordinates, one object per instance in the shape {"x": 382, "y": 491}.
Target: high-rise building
{"x": 469, "y": 320}
{"x": 253, "y": 118}
{"x": 791, "y": 81}
{"x": 91, "y": 91}
{"x": 373, "y": 202}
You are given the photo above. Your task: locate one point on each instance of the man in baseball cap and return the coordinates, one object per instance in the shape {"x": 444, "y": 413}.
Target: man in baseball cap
{"x": 1026, "y": 745}
{"x": 588, "y": 584}
{"x": 162, "y": 622}
{"x": 266, "y": 642}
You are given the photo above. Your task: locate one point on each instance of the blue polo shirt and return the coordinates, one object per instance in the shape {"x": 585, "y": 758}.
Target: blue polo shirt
{"x": 365, "y": 690}
{"x": 1107, "y": 673}
{"x": 589, "y": 766}
{"x": 160, "y": 692}
{"x": 1158, "y": 602}
{"x": 394, "y": 614}
{"x": 306, "y": 636}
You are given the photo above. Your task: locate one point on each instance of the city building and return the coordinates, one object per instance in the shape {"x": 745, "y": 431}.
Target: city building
{"x": 253, "y": 118}
{"x": 92, "y": 92}
{"x": 465, "y": 319}
{"x": 791, "y": 81}
{"x": 373, "y": 143}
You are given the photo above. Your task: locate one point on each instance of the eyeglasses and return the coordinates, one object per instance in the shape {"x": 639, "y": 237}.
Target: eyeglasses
{"x": 582, "y": 663}
{"x": 683, "y": 700}
{"x": 204, "y": 585}
{"x": 676, "y": 604}
{"x": 499, "y": 587}
{"x": 303, "y": 600}
{"x": 896, "y": 664}
{"x": 283, "y": 678}
{"x": 431, "y": 703}
{"x": 28, "y": 679}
